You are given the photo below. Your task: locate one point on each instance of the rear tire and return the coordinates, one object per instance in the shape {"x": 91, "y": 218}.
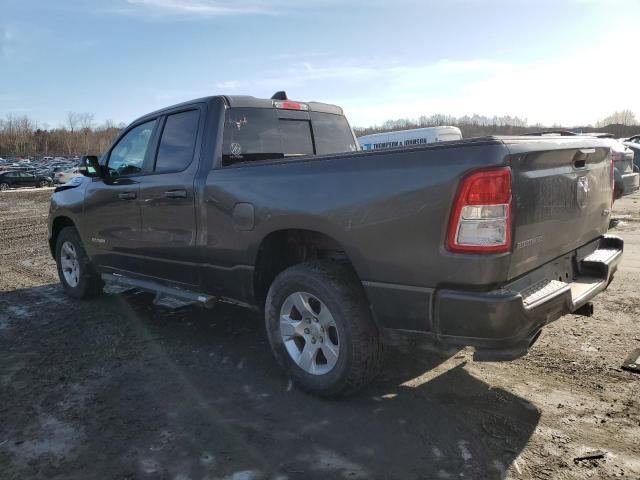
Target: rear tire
{"x": 4, "y": 187}
{"x": 78, "y": 275}
{"x": 43, "y": 184}
{"x": 331, "y": 295}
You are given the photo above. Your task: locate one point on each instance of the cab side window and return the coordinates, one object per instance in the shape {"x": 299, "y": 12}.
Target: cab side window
{"x": 127, "y": 157}
{"x": 178, "y": 142}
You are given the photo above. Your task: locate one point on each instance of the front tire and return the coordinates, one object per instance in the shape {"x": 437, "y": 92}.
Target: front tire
{"x": 321, "y": 330}
{"x": 4, "y": 187}
{"x": 77, "y": 274}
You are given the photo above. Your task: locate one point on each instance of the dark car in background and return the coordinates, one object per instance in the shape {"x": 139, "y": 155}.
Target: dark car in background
{"x": 15, "y": 179}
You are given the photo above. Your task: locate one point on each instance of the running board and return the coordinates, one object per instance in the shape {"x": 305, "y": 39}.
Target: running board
{"x": 168, "y": 297}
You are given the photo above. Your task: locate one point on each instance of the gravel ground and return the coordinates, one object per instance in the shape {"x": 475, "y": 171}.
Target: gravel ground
{"x": 115, "y": 388}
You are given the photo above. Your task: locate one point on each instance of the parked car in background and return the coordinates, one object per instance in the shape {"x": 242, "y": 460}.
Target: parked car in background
{"x": 44, "y": 171}
{"x": 15, "y": 179}
{"x": 23, "y": 168}
{"x": 633, "y": 143}
{"x": 623, "y": 162}
{"x": 64, "y": 175}
{"x": 626, "y": 176}
{"x": 409, "y": 138}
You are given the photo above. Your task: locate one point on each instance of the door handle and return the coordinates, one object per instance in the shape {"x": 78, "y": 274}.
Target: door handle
{"x": 127, "y": 196}
{"x": 176, "y": 194}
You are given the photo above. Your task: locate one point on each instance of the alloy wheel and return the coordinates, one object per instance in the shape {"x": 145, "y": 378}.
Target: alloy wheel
{"x": 309, "y": 333}
{"x": 70, "y": 264}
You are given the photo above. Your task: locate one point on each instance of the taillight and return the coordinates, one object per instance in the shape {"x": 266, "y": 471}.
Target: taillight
{"x": 289, "y": 105}
{"x": 481, "y": 217}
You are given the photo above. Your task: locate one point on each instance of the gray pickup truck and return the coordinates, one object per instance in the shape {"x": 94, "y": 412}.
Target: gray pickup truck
{"x": 269, "y": 203}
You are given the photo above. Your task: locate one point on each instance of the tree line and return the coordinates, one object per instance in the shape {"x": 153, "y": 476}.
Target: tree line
{"x": 21, "y": 136}
{"x": 620, "y": 124}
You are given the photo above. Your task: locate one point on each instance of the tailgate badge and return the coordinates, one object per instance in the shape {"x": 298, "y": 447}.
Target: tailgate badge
{"x": 582, "y": 193}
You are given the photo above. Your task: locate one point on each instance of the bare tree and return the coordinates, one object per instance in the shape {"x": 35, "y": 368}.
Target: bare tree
{"x": 72, "y": 121}
{"x": 623, "y": 117}
{"x": 85, "y": 120}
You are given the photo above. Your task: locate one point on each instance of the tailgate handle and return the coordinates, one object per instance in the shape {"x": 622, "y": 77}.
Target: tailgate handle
{"x": 580, "y": 158}
{"x": 176, "y": 194}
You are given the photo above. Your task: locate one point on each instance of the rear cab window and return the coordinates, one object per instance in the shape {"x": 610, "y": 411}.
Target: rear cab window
{"x": 332, "y": 134}
{"x": 254, "y": 134}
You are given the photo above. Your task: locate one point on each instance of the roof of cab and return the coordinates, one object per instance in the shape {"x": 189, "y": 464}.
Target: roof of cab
{"x": 247, "y": 101}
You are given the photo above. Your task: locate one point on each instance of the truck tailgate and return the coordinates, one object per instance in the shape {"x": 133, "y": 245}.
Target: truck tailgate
{"x": 562, "y": 192}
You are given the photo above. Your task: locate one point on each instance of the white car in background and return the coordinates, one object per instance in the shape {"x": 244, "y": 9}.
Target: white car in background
{"x": 409, "y": 138}
{"x": 623, "y": 161}
{"x": 64, "y": 176}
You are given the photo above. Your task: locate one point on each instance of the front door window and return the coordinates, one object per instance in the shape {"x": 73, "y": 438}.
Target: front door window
{"x": 127, "y": 157}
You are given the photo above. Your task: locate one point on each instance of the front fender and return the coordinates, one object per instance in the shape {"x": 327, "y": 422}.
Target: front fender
{"x": 66, "y": 208}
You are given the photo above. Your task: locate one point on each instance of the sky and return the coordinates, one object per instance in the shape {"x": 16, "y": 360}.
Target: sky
{"x": 568, "y": 62}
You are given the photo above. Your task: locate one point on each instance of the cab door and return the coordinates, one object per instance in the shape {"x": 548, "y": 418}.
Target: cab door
{"x": 167, "y": 201}
{"x": 111, "y": 230}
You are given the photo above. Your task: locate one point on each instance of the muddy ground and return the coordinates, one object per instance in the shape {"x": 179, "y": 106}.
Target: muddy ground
{"x": 117, "y": 389}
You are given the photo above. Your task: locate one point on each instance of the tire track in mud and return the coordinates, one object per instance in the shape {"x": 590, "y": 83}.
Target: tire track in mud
{"x": 24, "y": 252}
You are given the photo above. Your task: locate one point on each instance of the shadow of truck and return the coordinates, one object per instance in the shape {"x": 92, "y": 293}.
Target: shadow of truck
{"x": 118, "y": 388}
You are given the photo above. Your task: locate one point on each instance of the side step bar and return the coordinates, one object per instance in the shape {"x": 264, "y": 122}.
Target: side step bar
{"x": 169, "y": 297}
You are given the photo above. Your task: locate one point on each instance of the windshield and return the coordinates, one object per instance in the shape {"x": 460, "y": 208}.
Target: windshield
{"x": 252, "y": 134}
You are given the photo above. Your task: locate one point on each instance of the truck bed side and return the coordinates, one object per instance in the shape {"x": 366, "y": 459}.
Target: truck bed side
{"x": 389, "y": 211}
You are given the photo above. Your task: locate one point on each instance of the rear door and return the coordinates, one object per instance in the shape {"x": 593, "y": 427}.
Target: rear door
{"x": 167, "y": 203}
{"x": 562, "y": 192}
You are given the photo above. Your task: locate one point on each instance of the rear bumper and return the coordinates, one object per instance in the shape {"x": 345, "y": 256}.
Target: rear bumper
{"x": 503, "y": 323}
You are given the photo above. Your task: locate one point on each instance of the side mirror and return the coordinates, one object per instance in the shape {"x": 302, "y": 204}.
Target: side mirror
{"x": 89, "y": 166}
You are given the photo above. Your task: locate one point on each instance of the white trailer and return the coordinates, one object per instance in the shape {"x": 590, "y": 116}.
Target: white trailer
{"x": 408, "y": 138}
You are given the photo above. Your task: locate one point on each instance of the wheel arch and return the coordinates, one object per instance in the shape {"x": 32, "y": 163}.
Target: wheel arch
{"x": 56, "y": 227}
{"x": 283, "y": 248}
